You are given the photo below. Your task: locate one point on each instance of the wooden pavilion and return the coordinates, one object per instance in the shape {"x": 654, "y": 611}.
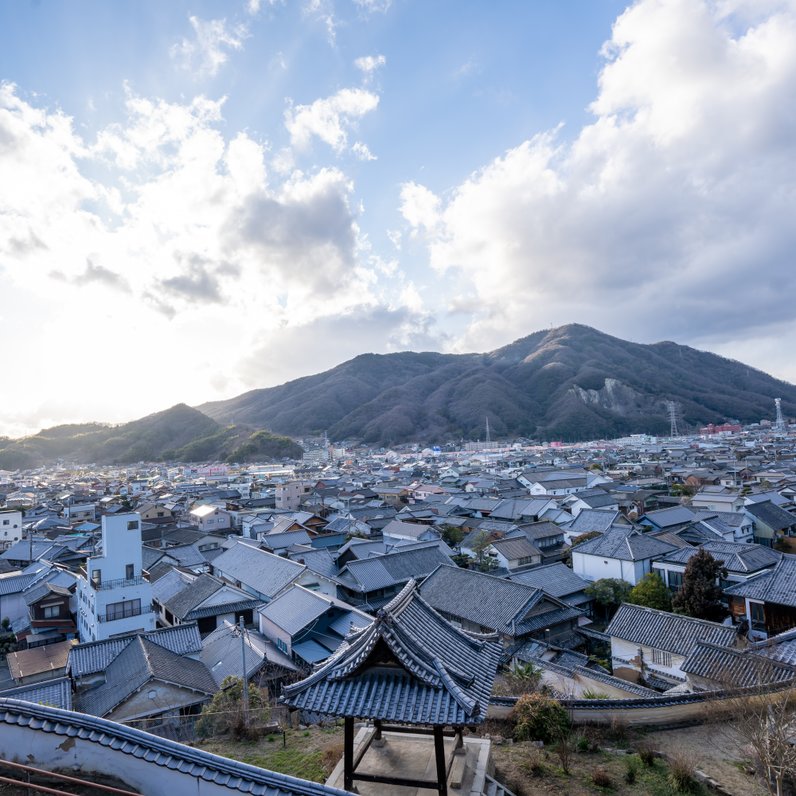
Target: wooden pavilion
{"x": 410, "y": 671}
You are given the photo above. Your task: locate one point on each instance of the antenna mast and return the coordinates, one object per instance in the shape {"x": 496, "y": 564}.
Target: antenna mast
{"x": 672, "y": 407}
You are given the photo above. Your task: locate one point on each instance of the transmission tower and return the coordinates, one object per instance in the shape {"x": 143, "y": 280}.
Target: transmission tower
{"x": 672, "y": 407}
{"x": 779, "y": 424}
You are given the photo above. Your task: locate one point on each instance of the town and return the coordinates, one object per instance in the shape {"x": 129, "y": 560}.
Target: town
{"x": 134, "y": 594}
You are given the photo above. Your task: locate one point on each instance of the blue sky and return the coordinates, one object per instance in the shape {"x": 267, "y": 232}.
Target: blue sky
{"x": 229, "y": 195}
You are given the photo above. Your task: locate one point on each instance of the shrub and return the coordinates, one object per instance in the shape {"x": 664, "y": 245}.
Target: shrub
{"x": 534, "y": 765}
{"x": 538, "y": 717}
{"x": 646, "y": 755}
{"x": 601, "y": 778}
{"x": 582, "y": 744}
{"x": 631, "y": 769}
{"x": 224, "y": 713}
{"x": 591, "y": 694}
{"x": 564, "y": 750}
{"x": 618, "y": 729}
{"x": 681, "y": 771}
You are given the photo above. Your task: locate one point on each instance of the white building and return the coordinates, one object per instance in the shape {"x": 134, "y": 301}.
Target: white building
{"x": 112, "y": 595}
{"x": 10, "y": 528}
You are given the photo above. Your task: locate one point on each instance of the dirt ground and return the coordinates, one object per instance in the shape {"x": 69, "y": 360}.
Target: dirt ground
{"x": 720, "y": 754}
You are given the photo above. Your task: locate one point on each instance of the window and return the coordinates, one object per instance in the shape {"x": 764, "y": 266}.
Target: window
{"x": 6, "y": 522}
{"x": 129, "y": 572}
{"x": 282, "y": 645}
{"x": 757, "y": 616}
{"x": 51, "y": 611}
{"x": 675, "y": 580}
{"x": 132, "y": 525}
{"x": 96, "y": 577}
{"x": 661, "y": 657}
{"x": 122, "y": 610}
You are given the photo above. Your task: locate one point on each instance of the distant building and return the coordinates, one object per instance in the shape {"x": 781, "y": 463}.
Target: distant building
{"x": 113, "y": 596}
{"x": 10, "y": 528}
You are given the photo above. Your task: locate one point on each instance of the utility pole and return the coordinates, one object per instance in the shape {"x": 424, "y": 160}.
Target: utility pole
{"x": 243, "y": 671}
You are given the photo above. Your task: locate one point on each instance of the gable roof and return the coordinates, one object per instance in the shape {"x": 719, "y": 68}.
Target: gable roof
{"x": 137, "y": 664}
{"x": 556, "y": 579}
{"x": 489, "y": 601}
{"x": 94, "y": 656}
{"x": 666, "y": 631}
{"x": 773, "y": 516}
{"x": 391, "y": 569}
{"x": 777, "y": 585}
{"x": 624, "y": 544}
{"x": 434, "y": 672}
{"x": 733, "y": 668}
{"x": 264, "y": 572}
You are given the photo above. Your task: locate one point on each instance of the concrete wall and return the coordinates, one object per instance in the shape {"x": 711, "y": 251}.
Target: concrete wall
{"x": 52, "y": 739}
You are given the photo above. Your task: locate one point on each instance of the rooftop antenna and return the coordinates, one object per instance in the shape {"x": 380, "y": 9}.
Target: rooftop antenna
{"x": 779, "y": 424}
{"x": 672, "y": 407}
{"x": 488, "y": 438}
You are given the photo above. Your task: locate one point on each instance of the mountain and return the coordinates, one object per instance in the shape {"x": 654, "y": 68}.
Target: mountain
{"x": 177, "y": 434}
{"x": 570, "y": 383}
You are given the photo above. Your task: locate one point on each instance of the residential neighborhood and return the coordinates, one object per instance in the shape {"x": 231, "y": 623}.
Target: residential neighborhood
{"x": 187, "y": 574}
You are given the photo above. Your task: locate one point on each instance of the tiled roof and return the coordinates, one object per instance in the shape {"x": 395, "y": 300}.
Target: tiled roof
{"x": 778, "y": 585}
{"x": 593, "y": 520}
{"x": 773, "y": 516}
{"x": 57, "y": 693}
{"x": 555, "y": 579}
{"x": 265, "y": 572}
{"x": 138, "y": 663}
{"x": 394, "y": 568}
{"x": 730, "y": 668}
{"x": 434, "y": 673}
{"x": 666, "y": 631}
{"x": 515, "y": 548}
{"x": 95, "y": 656}
{"x": 295, "y": 609}
{"x": 624, "y": 544}
{"x": 155, "y": 751}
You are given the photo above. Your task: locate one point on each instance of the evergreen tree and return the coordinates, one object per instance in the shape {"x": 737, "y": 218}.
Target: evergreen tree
{"x": 651, "y": 592}
{"x": 700, "y": 595}
{"x": 609, "y": 594}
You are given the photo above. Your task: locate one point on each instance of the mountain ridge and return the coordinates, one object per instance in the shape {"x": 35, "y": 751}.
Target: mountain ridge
{"x": 572, "y": 382}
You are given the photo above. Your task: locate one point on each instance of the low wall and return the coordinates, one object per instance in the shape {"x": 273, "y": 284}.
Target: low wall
{"x": 658, "y": 711}
{"x": 55, "y": 739}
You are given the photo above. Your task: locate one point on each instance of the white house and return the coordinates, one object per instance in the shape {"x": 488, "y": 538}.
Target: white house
{"x": 10, "y": 528}
{"x": 112, "y": 595}
{"x": 208, "y": 517}
{"x": 622, "y": 553}
{"x": 647, "y": 644}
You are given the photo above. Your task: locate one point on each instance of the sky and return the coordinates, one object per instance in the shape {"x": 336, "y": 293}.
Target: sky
{"x": 199, "y": 197}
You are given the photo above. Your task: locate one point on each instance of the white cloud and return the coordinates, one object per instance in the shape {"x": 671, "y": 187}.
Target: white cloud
{"x": 362, "y": 152}
{"x": 419, "y": 206}
{"x": 209, "y": 48}
{"x": 374, "y": 6}
{"x": 330, "y": 118}
{"x": 186, "y": 245}
{"x": 670, "y": 215}
{"x": 368, "y": 64}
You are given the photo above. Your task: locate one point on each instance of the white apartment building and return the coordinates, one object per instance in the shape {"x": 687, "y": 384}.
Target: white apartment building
{"x": 112, "y": 595}
{"x": 10, "y": 528}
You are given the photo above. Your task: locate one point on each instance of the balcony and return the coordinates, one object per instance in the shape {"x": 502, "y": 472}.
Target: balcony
{"x": 118, "y": 583}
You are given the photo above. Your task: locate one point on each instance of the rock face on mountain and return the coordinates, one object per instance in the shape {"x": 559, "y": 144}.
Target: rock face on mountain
{"x": 570, "y": 383}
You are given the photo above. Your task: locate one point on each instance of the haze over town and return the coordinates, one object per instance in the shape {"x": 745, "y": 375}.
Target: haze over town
{"x": 201, "y": 198}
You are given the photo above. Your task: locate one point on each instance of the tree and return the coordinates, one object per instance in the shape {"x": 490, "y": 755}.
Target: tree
{"x": 609, "y": 594}
{"x": 484, "y": 563}
{"x": 584, "y": 537}
{"x": 539, "y": 717}
{"x": 451, "y": 535}
{"x": 651, "y": 592}
{"x": 700, "y": 595}
{"x": 225, "y": 712}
